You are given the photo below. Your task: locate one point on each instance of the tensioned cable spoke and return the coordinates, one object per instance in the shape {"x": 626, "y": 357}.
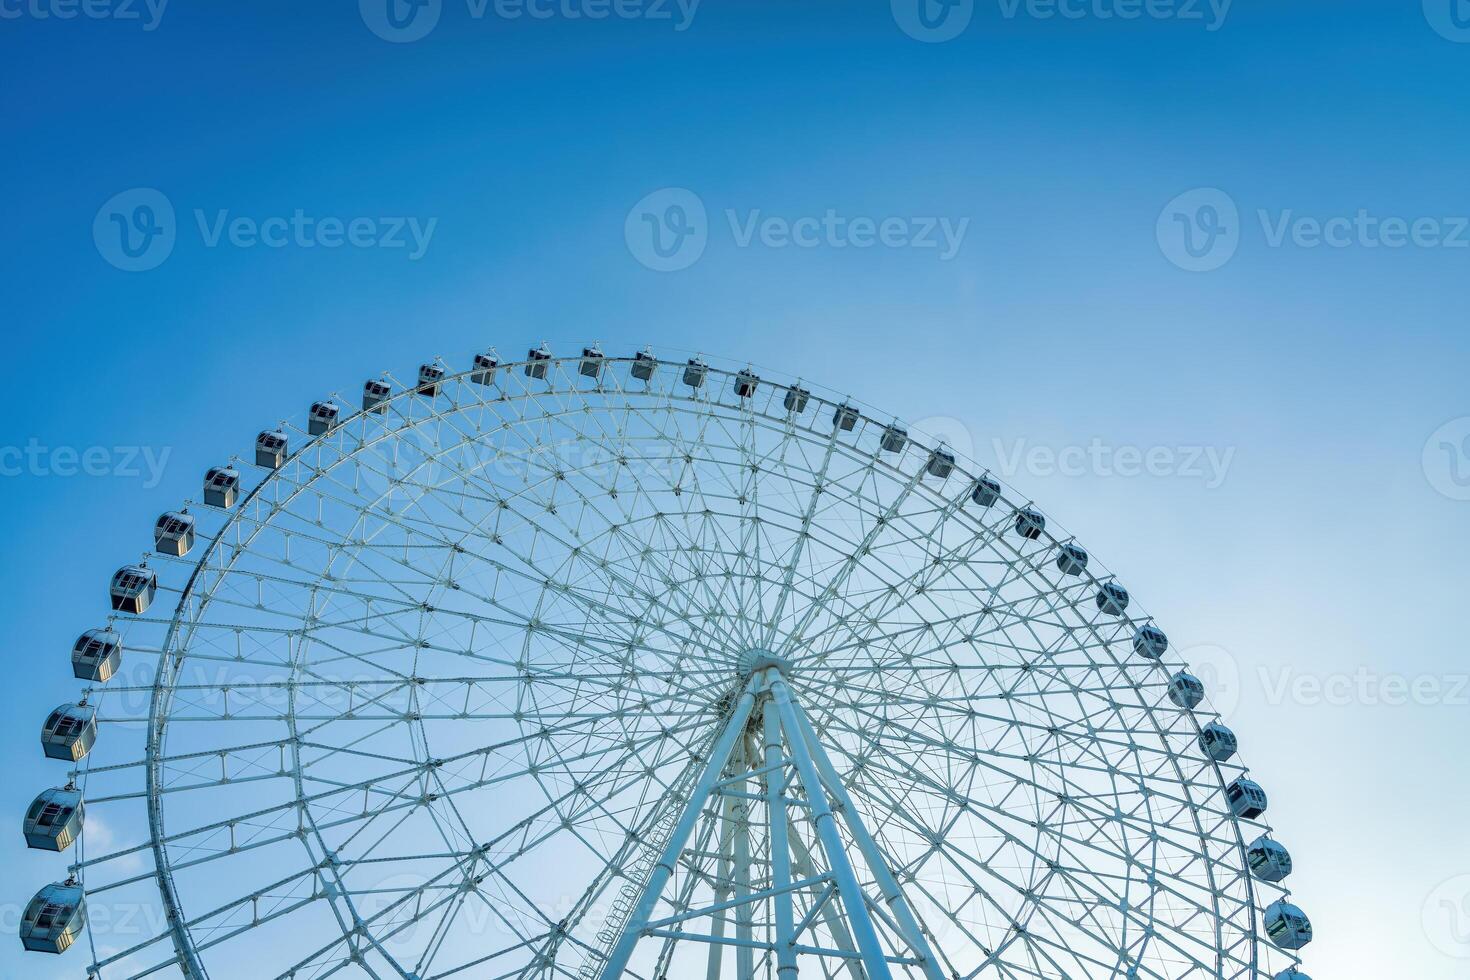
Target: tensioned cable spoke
{"x": 434, "y": 693}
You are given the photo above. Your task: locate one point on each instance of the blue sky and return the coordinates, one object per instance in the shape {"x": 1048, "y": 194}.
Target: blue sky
{"x": 1067, "y": 157}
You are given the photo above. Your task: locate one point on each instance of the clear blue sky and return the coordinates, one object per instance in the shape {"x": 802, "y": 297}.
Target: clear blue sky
{"x": 1331, "y": 544}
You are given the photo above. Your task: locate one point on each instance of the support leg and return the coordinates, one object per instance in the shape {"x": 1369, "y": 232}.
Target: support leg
{"x": 785, "y": 938}
{"x": 617, "y": 961}
{"x": 898, "y": 907}
{"x": 853, "y": 902}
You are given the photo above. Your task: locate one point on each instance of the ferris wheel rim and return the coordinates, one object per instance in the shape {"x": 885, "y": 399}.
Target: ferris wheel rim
{"x": 158, "y": 720}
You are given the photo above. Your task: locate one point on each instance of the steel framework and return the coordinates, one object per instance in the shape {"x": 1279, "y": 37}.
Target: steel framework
{"x": 598, "y": 668}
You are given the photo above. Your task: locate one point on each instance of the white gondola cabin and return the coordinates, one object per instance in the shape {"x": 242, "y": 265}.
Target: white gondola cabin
{"x": 643, "y": 365}
{"x": 1287, "y": 925}
{"x": 54, "y": 919}
{"x": 1071, "y": 559}
{"x": 1217, "y": 742}
{"x": 375, "y": 395}
{"x": 940, "y": 464}
{"x": 54, "y": 819}
{"x": 986, "y": 492}
{"x": 430, "y": 377}
{"x": 221, "y": 487}
{"x": 694, "y": 372}
{"x": 483, "y": 371}
{"x": 796, "y": 399}
{"x": 96, "y": 655}
{"x": 845, "y": 417}
{"x": 1030, "y": 524}
{"x": 536, "y": 359}
{"x": 1186, "y": 690}
{"x": 1150, "y": 642}
{"x": 1112, "y": 599}
{"x": 1268, "y": 860}
{"x": 322, "y": 417}
{"x": 270, "y": 450}
{"x": 69, "y": 732}
{"x": 133, "y": 588}
{"x": 1247, "y": 800}
{"x": 173, "y": 533}
{"x": 894, "y": 438}
{"x": 592, "y": 361}
{"x": 746, "y": 382}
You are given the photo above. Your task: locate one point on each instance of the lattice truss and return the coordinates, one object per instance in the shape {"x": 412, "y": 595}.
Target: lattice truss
{"x": 440, "y": 691}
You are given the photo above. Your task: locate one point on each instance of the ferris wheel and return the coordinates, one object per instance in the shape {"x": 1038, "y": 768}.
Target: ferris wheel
{"x": 600, "y": 667}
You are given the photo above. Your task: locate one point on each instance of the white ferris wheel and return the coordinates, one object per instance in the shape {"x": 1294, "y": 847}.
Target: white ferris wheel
{"x": 596, "y": 667}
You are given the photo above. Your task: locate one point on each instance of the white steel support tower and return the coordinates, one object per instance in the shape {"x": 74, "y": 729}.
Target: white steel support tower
{"x": 803, "y": 798}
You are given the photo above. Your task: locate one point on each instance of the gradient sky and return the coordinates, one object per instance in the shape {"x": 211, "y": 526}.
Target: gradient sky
{"x": 1331, "y": 548}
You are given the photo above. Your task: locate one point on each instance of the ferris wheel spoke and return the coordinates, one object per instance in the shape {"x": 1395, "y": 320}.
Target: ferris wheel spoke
{"x": 323, "y": 796}
{"x": 1055, "y": 829}
{"x": 1096, "y": 729}
{"x": 925, "y": 747}
{"x": 467, "y": 649}
{"x": 506, "y": 505}
{"x": 798, "y": 548}
{"x": 533, "y": 573}
{"x": 797, "y": 635}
